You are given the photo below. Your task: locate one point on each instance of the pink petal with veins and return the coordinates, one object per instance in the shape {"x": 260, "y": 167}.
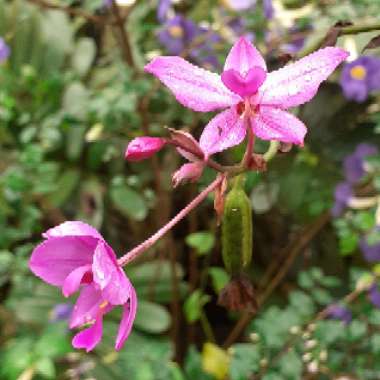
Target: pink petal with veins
{"x": 243, "y": 56}
{"x": 72, "y": 228}
{"x": 129, "y": 314}
{"x": 74, "y": 279}
{"x": 109, "y": 276}
{"x": 244, "y": 86}
{"x": 193, "y": 87}
{"x": 54, "y": 259}
{"x": 87, "y": 306}
{"x": 225, "y": 130}
{"x": 298, "y": 82}
{"x": 142, "y": 148}
{"x": 90, "y": 337}
{"x": 275, "y": 124}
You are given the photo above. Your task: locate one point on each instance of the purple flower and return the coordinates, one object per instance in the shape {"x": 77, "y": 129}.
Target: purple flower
{"x": 177, "y": 34}
{"x": 353, "y": 164}
{"x": 268, "y": 9}
{"x": 61, "y": 312}
{"x": 74, "y": 255}
{"x": 360, "y": 77}
{"x": 163, "y": 9}
{"x": 374, "y": 295}
{"x": 248, "y": 93}
{"x": 343, "y": 194}
{"x": 4, "y": 50}
{"x": 371, "y": 252}
{"x": 339, "y": 312}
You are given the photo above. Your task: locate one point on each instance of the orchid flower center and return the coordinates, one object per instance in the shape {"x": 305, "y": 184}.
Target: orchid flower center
{"x": 358, "y": 72}
{"x": 246, "y": 84}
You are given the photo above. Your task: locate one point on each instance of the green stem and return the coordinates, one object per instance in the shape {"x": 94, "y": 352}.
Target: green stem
{"x": 272, "y": 151}
{"x": 206, "y": 326}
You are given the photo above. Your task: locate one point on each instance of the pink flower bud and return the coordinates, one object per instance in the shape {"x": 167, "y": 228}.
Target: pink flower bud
{"x": 144, "y": 147}
{"x": 188, "y": 172}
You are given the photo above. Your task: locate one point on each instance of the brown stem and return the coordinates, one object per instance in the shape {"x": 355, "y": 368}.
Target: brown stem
{"x": 124, "y": 41}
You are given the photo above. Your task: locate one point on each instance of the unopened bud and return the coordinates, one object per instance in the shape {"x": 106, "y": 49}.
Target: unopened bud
{"x": 141, "y": 148}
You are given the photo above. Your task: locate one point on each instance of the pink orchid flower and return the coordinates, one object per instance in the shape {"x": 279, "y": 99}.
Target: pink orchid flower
{"x": 74, "y": 254}
{"x": 251, "y": 96}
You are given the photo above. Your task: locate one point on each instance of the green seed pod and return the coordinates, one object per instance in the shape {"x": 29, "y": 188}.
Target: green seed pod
{"x": 237, "y": 229}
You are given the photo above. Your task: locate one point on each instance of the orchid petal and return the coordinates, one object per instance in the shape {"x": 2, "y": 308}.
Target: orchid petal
{"x": 90, "y": 337}
{"x": 72, "y": 228}
{"x": 109, "y": 276}
{"x": 144, "y": 147}
{"x": 298, "y": 82}
{"x": 87, "y": 306}
{"x": 193, "y": 87}
{"x": 54, "y": 259}
{"x": 74, "y": 279}
{"x": 225, "y": 130}
{"x": 127, "y": 320}
{"x": 275, "y": 124}
{"x": 247, "y": 85}
{"x": 243, "y": 56}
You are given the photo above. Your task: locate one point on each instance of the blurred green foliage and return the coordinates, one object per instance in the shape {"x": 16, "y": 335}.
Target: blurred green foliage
{"x": 69, "y": 104}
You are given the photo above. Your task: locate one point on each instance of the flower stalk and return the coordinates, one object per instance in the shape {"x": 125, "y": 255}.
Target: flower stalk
{"x": 137, "y": 251}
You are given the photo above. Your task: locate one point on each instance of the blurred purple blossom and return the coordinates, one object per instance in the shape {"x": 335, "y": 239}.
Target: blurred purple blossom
{"x": 179, "y": 33}
{"x": 374, "y": 295}
{"x": 4, "y": 50}
{"x": 163, "y": 9}
{"x": 360, "y": 77}
{"x": 353, "y": 164}
{"x": 339, "y": 312}
{"x": 61, "y": 312}
{"x": 371, "y": 252}
{"x": 343, "y": 194}
{"x": 268, "y": 9}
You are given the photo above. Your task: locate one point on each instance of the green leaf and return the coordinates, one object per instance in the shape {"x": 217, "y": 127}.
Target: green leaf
{"x": 152, "y": 318}
{"x": 45, "y": 367}
{"x": 219, "y": 278}
{"x": 202, "y": 241}
{"x": 84, "y": 55}
{"x": 194, "y": 304}
{"x": 291, "y": 365}
{"x": 356, "y": 330}
{"x": 75, "y": 100}
{"x": 129, "y": 202}
{"x": 245, "y": 360}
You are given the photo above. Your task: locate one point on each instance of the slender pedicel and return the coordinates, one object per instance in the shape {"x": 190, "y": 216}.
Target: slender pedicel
{"x": 135, "y": 252}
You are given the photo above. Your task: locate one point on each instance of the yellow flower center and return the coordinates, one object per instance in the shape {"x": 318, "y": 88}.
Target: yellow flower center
{"x": 103, "y": 305}
{"x": 176, "y": 31}
{"x": 358, "y": 72}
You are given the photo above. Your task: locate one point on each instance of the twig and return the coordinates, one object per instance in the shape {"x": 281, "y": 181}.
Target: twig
{"x": 135, "y": 252}
{"x": 124, "y": 41}
{"x": 343, "y": 31}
